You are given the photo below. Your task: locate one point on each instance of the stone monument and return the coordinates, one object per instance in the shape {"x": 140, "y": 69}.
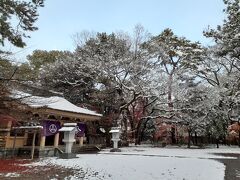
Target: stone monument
{"x": 115, "y": 138}
{"x": 69, "y": 130}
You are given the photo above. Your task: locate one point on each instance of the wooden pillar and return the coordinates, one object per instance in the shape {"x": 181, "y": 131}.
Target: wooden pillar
{"x": 56, "y": 140}
{"x": 25, "y": 137}
{"x": 33, "y": 144}
{"x": 42, "y": 142}
{"x": 14, "y": 142}
{"x": 9, "y": 125}
{"x": 80, "y": 141}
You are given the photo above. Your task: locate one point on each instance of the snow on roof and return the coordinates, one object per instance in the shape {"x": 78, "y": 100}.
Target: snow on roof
{"x": 28, "y": 127}
{"x": 54, "y": 102}
{"x": 67, "y": 129}
{"x": 114, "y": 131}
{"x": 70, "y": 124}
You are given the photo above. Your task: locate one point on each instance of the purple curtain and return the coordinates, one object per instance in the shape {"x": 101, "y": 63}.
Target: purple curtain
{"x": 50, "y": 127}
{"x": 80, "y": 129}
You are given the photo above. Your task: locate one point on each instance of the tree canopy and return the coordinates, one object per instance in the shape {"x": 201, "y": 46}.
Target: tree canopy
{"x": 137, "y": 78}
{"x": 18, "y": 18}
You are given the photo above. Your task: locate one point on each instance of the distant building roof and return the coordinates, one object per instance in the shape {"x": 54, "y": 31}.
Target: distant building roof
{"x": 54, "y": 102}
{"x": 6, "y": 118}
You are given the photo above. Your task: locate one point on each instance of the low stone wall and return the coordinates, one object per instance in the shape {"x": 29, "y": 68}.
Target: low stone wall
{"x": 25, "y": 152}
{"x": 8, "y": 153}
{"x": 48, "y": 151}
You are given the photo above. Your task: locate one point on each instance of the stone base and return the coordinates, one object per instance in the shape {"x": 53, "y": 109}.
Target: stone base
{"x": 115, "y": 150}
{"x": 67, "y": 155}
{"x": 47, "y": 152}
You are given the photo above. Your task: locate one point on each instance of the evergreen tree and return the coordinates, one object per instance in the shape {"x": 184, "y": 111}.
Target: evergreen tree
{"x": 17, "y": 18}
{"x": 227, "y": 36}
{"x": 174, "y": 56}
{"x": 25, "y": 13}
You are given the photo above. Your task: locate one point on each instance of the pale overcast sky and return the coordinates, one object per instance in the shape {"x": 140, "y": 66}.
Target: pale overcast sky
{"x": 60, "y": 19}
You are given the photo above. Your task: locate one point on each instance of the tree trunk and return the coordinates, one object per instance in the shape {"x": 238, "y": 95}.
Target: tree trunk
{"x": 238, "y": 133}
{"x": 170, "y": 81}
{"x": 173, "y": 135}
{"x": 217, "y": 142}
{"x": 189, "y": 138}
{"x": 124, "y": 135}
{"x": 138, "y": 133}
{"x": 108, "y": 138}
{"x": 224, "y": 140}
{"x": 239, "y": 137}
{"x": 208, "y": 138}
{"x": 196, "y": 140}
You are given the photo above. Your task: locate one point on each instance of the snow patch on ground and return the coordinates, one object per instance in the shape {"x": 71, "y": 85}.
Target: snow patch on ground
{"x": 238, "y": 173}
{"x": 11, "y": 175}
{"x": 145, "y": 163}
{"x": 209, "y": 153}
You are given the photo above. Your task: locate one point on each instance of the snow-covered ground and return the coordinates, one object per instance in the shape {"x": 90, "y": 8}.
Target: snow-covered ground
{"x": 143, "y": 163}
{"x": 208, "y": 153}
{"x": 10, "y": 175}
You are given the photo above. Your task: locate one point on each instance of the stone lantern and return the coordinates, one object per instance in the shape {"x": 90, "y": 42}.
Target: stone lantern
{"x": 69, "y": 130}
{"x": 115, "y": 138}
